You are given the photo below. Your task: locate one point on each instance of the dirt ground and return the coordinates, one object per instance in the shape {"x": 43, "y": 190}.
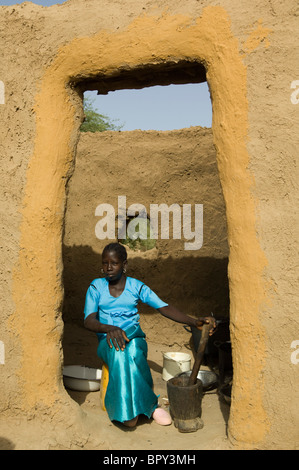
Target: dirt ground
{"x": 34, "y": 435}
{"x": 150, "y": 436}
{"x": 146, "y": 436}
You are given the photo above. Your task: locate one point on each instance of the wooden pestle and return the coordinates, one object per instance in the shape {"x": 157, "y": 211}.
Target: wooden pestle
{"x": 200, "y": 353}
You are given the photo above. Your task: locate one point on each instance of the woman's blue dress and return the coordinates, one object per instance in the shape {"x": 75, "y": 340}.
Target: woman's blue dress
{"x": 129, "y": 392}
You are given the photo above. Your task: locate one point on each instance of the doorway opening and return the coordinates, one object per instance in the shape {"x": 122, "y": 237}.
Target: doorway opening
{"x": 148, "y": 167}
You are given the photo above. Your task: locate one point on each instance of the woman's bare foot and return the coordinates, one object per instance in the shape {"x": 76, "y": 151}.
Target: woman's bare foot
{"x": 131, "y": 423}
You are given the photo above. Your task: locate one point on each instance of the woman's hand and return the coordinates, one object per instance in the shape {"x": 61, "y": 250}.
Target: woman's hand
{"x": 206, "y": 320}
{"x": 116, "y": 337}
{"x": 174, "y": 314}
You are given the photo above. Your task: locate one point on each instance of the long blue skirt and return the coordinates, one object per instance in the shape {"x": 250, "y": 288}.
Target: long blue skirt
{"x": 129, "y": 392}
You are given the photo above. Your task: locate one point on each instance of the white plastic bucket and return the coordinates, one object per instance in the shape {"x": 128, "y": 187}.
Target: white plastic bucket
{"x": 174, "y": 363}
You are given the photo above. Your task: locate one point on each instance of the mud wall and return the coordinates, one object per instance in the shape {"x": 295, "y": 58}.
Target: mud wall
{"x": 248, "y": 51}
{"x": 176, "y": 167}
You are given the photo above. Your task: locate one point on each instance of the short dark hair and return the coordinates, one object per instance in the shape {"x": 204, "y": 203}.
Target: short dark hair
{"x": 118, "y": 249}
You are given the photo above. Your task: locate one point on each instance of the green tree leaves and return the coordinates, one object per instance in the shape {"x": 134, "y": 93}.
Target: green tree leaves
{"x": 95, "y": 122}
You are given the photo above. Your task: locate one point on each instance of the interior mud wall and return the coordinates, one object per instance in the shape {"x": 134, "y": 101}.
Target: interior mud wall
{"x": 175, "y": 167}
{"x": 249, "y": 52}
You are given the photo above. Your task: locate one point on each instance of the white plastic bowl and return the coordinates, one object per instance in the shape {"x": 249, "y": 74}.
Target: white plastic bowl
{"x": 82, "y": 378}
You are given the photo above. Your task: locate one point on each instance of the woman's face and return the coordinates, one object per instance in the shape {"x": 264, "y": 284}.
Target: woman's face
{"x": 112, "y": 266}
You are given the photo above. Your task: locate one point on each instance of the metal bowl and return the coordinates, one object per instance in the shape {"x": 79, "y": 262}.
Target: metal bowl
{"x": 208, "y": 378}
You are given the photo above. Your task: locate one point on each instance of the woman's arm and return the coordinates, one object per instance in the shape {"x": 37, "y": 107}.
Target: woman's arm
{"x": 115, "y": 336}
{"x": 176, "y": 315}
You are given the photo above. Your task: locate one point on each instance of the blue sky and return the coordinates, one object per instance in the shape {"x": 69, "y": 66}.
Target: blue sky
{"x": 159, "y": 107}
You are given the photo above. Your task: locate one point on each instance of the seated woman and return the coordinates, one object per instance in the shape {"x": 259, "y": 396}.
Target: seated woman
{"x": 111, "y": 312}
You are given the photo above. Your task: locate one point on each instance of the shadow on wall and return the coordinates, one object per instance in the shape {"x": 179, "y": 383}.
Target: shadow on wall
{"x": 196, "y": 285}
{"x": 6, "y": 444}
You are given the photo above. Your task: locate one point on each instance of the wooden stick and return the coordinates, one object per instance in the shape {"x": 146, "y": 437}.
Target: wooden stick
{"x": 200, "y": 353}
